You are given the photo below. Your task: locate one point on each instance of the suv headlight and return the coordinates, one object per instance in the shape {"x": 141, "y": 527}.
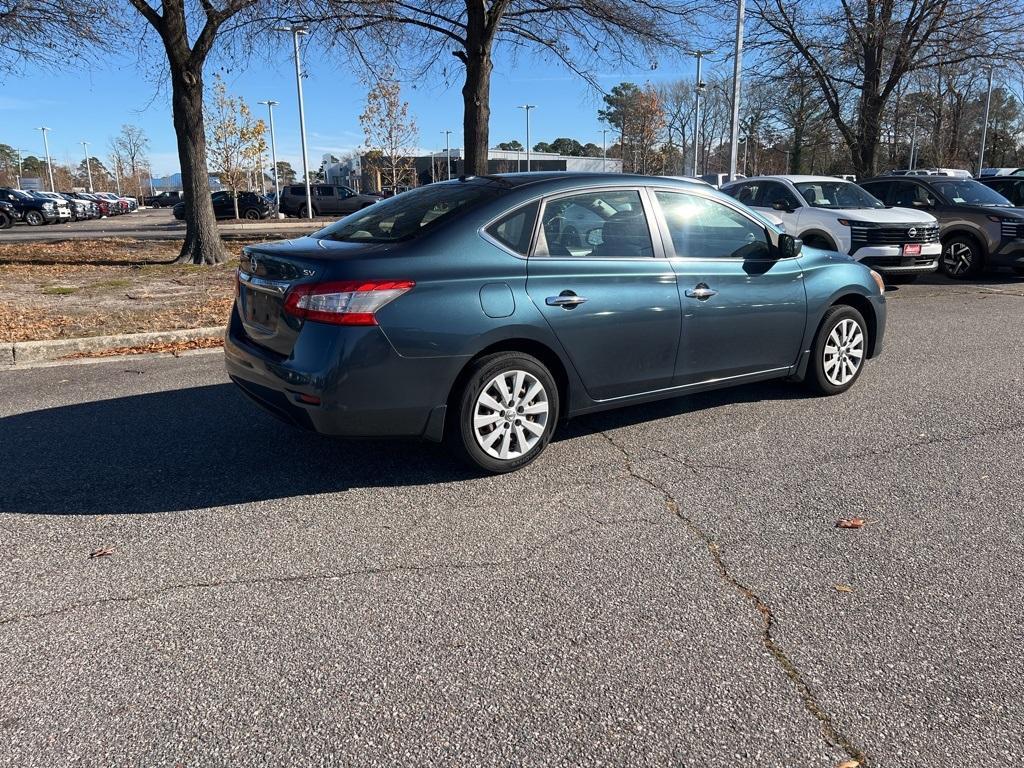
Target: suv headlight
{"x": 47, "y": 206}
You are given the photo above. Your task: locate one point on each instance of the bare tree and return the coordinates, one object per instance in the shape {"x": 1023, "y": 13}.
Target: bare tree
{"x": 391, "y": 134}
{"x": 62, "y": 27}
{"x": 187, "y": 53}
{"x": 579, "y": 34}
{"x": 859, "y": 51}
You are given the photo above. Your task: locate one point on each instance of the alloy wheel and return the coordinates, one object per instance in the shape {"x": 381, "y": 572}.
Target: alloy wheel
{"x": 957, "y": 259}
{"x": 844, "y": 352}
{"x": 510, "y": 414}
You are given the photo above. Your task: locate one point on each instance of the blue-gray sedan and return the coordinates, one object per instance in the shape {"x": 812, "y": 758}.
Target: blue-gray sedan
{"x": 485, "y": 310}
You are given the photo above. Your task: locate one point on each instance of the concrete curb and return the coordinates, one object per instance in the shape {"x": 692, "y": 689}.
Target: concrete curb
{"x": 32, "y": 352}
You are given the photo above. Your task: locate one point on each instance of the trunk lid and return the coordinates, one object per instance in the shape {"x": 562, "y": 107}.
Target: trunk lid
{"x": 265, "y": 274}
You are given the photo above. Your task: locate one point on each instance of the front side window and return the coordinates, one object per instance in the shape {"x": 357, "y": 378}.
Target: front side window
{"x": 407, "y": 216}
{"x": 837, "y": 194}
{"x": 706, "y": 229}
{"x": 907, "y": 194}
{"x": 324, "y": 191}
{"x": 778, "y": 196}
{"x": 609, "y": 224}
{"x": 515, "y": 230}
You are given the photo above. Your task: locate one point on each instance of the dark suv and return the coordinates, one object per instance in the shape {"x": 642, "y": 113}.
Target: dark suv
{"x": 250, "y": 206}
{"x": 327, "y": 200}
{"x": 32, "y": 210}
{"x": 978, "y": 227}
{"x": 1010, "y": 187}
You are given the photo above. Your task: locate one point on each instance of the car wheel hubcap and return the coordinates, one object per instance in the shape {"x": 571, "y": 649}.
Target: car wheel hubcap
{"x": 844, "y": 352}
{"x": 511, "y": 415}
{"x": 957, "y": 258}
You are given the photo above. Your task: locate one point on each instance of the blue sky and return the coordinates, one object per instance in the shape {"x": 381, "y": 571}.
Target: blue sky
{"x": 92, "y": 103}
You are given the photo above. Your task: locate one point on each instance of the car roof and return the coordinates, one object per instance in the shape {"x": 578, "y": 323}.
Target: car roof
{"x": 516, "y": 180}
{"x": 795, "y": 178}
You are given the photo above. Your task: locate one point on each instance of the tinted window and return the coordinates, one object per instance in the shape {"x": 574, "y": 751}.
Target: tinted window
{"x": 406, "y": 216}
{"x": 324, "y": 191}
{"x": 907, "y": 194}
{"x": 746, "y": 193}
{"x": 774, "y": 192}
{"x": 879, "y": 189}
{"x": 297, "y": 191}
{"x": 608, "y": 224}
{"x": 514, "y": 230}
{"x": 703, "y": 228}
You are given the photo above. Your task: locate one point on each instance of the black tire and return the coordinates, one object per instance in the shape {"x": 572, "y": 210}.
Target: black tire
{"x": 1019, "y": 271}
{"x": 900, "y": 279}
{"x": 961, "y": 258}
{"x": 6, "y": 222}
{"x": 34, "y": 218}
{"x": 251, "y": 213}
{"x": 304, "y": 211}
{"x": 818, "y": 377}
{"x": 462, "y": 435}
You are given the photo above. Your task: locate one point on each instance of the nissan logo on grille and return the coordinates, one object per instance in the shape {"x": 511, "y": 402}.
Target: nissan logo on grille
{"x": 912, "y": 232}
{"x": 253, "y": 264}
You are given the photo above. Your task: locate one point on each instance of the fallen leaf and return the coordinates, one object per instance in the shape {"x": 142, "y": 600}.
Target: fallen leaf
{"x": 849, "y": 764}
{"x": 844, "y": 588}
{"x": 102, "y": 552}
{"x": 853, "y": 522}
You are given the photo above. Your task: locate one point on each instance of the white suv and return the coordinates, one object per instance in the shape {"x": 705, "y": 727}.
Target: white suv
{"x": 837, "y": 215}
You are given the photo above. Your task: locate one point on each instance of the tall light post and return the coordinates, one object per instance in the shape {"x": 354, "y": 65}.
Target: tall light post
{"x": 737, "y": 71}
{"x": 913, "y": 145}
{"x": 88, "y": 165}
{"x": 448, "y": 152}
{"x": 604, "y": 150}
{"x": 984, "y": 124}
{"x": 273, "y": 147}
{"x": 295, "y": 31}
{"x": 46, "y": 148}
{"x": 696, "y": 108}
{"x": 527, "y": 107}
{"x": 19, "y": 151}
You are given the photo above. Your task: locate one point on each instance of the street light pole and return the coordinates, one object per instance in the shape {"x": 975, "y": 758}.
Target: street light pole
{"x": 696, "y": 109}
{"x": 527, "y": 107}
{"x": 984, "y": 124}
{"x": 19, "y": 151}
{"x": 448, "y": 152}
{"x": 273, "y": 148}
{"x": 604, "y": 150}
{"x": 46, "y": 148}
{"x": 88, "y": 165}
{"x": 737, "y": 70}
{"x": 913, "y": 145}
{"x": 295, "y": 32}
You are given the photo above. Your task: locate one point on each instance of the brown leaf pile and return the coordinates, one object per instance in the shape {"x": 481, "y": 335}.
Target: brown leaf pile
{"x": 172, "y": 347}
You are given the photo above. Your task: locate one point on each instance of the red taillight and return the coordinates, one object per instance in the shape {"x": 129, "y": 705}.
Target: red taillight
{"x": 346, "y": 302}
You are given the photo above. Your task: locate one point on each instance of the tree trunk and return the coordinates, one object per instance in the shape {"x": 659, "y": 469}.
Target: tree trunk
{"x": 202, "y": 240}
{"x": 476, "y": 98}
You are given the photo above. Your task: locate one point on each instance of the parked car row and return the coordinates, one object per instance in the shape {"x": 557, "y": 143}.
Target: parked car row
{"x": 36, "y": 208}
{"x": 900, "y": 225}
{"x": 251, "y": 206}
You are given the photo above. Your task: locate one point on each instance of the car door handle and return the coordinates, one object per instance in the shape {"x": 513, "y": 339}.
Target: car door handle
{"x": 566, "y": 300}
{"x": 701, "y": 292}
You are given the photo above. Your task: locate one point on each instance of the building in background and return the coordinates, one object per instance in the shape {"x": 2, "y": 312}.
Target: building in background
{"x": 355, "y": 172}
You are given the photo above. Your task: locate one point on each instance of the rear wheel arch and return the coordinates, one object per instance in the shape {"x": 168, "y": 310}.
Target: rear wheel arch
{"x": 867, "y": 311}
{"x": 531, "y": 347}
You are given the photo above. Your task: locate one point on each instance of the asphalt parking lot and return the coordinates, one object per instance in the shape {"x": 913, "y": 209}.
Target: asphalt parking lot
{"x": 658, "y": 589}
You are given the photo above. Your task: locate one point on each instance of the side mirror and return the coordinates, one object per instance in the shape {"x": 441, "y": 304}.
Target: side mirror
{"x": 781, "y": 205}
{"x": 789, "y": 246}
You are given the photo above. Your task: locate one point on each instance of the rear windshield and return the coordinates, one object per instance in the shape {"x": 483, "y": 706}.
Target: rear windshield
{"x": 406, "y": 216}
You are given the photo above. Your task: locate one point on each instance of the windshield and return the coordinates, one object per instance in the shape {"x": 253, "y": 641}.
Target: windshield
{"x": 406, "y": 216}
{"x": 970, "y": 192}
{"x": 22, "y": 195}
{"x": 836, "y": 194}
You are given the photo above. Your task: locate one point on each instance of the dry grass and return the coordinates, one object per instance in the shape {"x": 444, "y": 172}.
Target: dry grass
{"x": 100, "y": 287}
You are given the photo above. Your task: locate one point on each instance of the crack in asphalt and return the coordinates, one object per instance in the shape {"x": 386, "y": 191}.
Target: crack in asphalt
{"x": 830, "y": 732}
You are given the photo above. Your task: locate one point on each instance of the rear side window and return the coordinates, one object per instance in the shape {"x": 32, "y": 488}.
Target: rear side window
{"x": 879, "y": 189}
{"x": 514, "y": 230}
{"x": 297, "y": 191}
{"x": 407, "y": 216}
{"x": 325, "y": 191}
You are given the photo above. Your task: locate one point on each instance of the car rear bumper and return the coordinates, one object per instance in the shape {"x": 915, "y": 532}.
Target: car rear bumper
{"x": 365, "y": 388}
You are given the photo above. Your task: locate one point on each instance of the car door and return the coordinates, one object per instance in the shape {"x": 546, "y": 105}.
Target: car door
{"x": 348, "y": 200}
{"x": 776, "y": 200}
{"x": 744, "y": 310}
{"x": 223, "y": 206}
{"x": 609, "y": 297}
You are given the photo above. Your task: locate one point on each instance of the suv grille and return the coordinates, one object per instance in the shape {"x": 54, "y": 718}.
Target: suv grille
{"x": 863, "y": 234}
{"x": 1011, "y": 229}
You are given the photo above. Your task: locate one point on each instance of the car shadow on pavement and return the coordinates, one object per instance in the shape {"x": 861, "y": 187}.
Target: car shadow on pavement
{"x": 208, "y": 446}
